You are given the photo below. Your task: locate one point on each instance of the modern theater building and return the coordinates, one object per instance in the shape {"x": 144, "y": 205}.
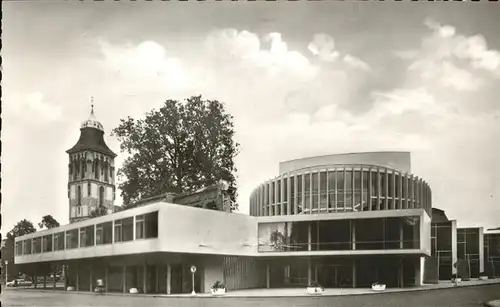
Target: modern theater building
{"x": 344, "y": 220}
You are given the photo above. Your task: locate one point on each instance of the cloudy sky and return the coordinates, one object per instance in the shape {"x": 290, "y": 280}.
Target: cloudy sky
{"x": 300, "y": 78}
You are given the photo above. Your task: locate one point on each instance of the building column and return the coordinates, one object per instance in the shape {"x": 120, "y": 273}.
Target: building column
{"x": 145, "y": 278}
{"x": 35, "y": 278}
{"x": 309, "y": 271}
{"x": 268, "y": 276}
{"x": 54, "y": 276}
{"x": 157, "y": 279}
{"x": 169, "y": 278}
{"x": 124, "y": 278}
{"x": 353, "y": 233}
{"x": 309, "y": 237}
{"x": 454, "y": 254}
{"x": 354, "y": 273}
{"x": 90, "y": 275}
{"x": 401, "y": 273}
{"x": 401, "y": 236}
{"x": 77, "y": 282}
{"x": 106, "y": 273}
{"x": 45, "y": 277}
{"x": 481, "y": 249}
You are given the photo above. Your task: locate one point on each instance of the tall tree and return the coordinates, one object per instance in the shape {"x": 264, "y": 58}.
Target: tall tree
{"x": 22, "y": 228}
{"x": 99, "y": 211}
{"x": 48, "y": 222}
{"x": 183, "y": 146}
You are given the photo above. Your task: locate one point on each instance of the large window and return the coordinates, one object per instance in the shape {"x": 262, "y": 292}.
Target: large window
{"x": 87, "y": 236}
{"x": 307, "y": 188}
{"x": 314, "y": 192}
{"x": 27, "y": 247}
{"x": 299, "y": 194}
{"x": 104, "y": 233}
{"x": 323, "y": 190}
{"x": 19, "y": 248}
{"x": 37, "y": 245}
{"x": 47, "y": 243}
{"x": 146, "y": 225}
{"x": 59, "y": 241}
{"x": 72, "y": 239}
{"x": 124, "y": 230}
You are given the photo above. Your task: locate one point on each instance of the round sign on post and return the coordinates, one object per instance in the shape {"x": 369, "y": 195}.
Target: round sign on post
{"x": 193, "y": 270}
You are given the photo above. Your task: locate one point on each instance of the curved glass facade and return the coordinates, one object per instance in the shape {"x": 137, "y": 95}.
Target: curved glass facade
{"x": 340, "y": 188}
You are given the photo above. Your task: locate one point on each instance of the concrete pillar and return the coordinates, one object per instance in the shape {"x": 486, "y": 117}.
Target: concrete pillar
{"x": 106, "y": 274}
{"x": 268, "y": 276}
{"x": 401, "y": 274}
{"x": 45, "y": 279}
{"x": 35, "y": 279}
{"x": 145, "y": 278}
{"x": 454, "y": 255}
{"x": 77, "y": 283}
{"x": 309, "y": 271}
{"x": 124, "y": 278}
{"x": 354, "y": 273}
{"x": 353, "y": 233}
{"x": 157, "y": 281}
{"x": 90, "y": 277}
{"x": 169, "y": 278}
{"x": 54, "y": 276}
{"x": 309, "y": 236}
{"x": 401, "y": 236}
{"x": 481, "y": 249}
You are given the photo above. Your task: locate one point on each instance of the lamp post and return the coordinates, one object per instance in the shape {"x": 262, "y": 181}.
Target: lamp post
{"x": 193, "y": 270}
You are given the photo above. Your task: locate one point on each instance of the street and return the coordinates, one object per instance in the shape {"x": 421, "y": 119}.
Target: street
{"x": 456, "y": 297}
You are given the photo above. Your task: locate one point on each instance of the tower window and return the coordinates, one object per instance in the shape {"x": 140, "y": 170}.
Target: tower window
{"x": 101, "y": 196}
{"x": 79, "y": 195}
{"x": 88, "y": 189}
{"x": 96, "y": 170}
{"x": 106, "y": 177}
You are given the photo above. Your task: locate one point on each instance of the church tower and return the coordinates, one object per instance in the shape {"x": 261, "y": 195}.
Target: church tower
{"x": 91, "y": 179}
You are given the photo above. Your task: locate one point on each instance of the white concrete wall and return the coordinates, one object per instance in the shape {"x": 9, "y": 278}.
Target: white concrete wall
{"x": 193, "y": 230}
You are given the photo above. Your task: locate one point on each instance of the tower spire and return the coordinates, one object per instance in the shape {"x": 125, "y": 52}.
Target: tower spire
{"x": 91, "y": 105}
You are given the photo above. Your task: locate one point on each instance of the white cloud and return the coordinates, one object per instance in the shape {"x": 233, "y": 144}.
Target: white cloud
{"x": 31, "y": 108}
{"x": 453, "y": 60}
{"x": 323, "y": 46}
{"x": 355, "y": 62}
{"x": 147, "y": 61}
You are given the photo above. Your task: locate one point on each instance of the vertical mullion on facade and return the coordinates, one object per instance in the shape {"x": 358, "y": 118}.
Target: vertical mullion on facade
{"x": 319, "y": 191}
{"x": 400, "y": 201}
{"x": 393, "y": 206}
{"x": 335, "y": 191}
{"x": 303, "y": 196}
{"x": 379, "y": 188}
{"x": 327, "y": 191}
{"x": 353, "y": 188}
{"x": 386, "y": 200}
{"x": 295, "y": 192}
{"x": 407, "y": 194}
{"x": 344, "y": 191}
{"x": 370, "y": 191}
{"x": 282, "y": 194}
{"x": 310, "y": 192}
{"x": 362, "y": 190}
{"x": 288, "y": 193}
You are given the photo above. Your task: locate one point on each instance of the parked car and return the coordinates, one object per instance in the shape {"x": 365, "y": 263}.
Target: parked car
{"x": 20, "y": 282}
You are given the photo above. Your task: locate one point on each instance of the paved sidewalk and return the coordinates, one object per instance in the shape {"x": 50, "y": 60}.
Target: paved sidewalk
{"x": 295, "y": 292}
